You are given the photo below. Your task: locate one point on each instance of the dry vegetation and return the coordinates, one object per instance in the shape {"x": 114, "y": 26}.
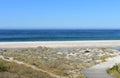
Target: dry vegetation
{"x": 66, "y": 63}
{"x": 14, "y": 70}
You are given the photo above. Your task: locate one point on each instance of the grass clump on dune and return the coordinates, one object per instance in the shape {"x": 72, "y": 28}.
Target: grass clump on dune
{"x": 3, "y": 66}
{"x": 115, "y": 71}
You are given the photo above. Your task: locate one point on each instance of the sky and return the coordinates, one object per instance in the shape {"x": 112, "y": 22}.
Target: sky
{"x": 59, "y": 14}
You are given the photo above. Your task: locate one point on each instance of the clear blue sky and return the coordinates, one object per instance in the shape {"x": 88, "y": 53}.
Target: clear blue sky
{"x": 55, "y": 14}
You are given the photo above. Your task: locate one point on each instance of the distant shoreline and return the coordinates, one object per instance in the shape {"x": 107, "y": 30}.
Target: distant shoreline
{"x": 60, "y": 44}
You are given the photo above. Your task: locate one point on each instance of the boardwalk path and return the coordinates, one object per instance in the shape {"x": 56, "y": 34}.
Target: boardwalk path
{"x": 99, "y": 71}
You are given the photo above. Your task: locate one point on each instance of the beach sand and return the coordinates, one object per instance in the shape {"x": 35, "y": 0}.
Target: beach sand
{"x": 60, "y": 44}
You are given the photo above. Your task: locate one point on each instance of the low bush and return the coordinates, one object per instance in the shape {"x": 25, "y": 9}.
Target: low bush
{"x": 115, "y": 71}
{"x": 4, "y": 66}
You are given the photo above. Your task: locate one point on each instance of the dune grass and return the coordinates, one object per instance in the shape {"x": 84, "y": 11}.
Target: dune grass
{"x": 63, "y": 63}
{"x": 115, "y": 71}
{"x": 47, "y": 59}
{"x": 14, "y": 70}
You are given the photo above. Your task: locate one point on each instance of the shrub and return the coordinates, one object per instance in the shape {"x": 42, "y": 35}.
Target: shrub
{"x": 115, "y": 71}
{"x": 115, "y": 68}
{"x": 4, "y": 67}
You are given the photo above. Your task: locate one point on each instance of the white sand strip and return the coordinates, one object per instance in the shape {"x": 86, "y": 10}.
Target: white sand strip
{"x": 56, "y": 44}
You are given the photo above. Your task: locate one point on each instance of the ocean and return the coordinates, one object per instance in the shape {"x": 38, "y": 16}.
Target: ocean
{"x": 58, "y": 35}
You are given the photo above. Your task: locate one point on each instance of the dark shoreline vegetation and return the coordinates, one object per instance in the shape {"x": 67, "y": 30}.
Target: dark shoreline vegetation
{"x": 67, "y": 63}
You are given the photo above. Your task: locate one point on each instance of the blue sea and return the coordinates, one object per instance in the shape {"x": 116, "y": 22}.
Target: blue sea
{"x": 58, "y": 35}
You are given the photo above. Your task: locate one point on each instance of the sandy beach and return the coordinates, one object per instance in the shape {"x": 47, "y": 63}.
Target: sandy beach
{"x": 58, "y": 44}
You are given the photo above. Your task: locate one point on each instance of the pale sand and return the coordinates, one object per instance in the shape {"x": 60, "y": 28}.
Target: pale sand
{"x": 58, "y": 44}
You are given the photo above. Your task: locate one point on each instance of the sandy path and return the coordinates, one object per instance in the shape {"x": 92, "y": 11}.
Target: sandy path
{"x": 99, "y": 71}
{"x": 56, "y": 44}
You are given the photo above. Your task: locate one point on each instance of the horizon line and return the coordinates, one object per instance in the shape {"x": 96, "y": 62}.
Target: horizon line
{"x": 62, "y": 29}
